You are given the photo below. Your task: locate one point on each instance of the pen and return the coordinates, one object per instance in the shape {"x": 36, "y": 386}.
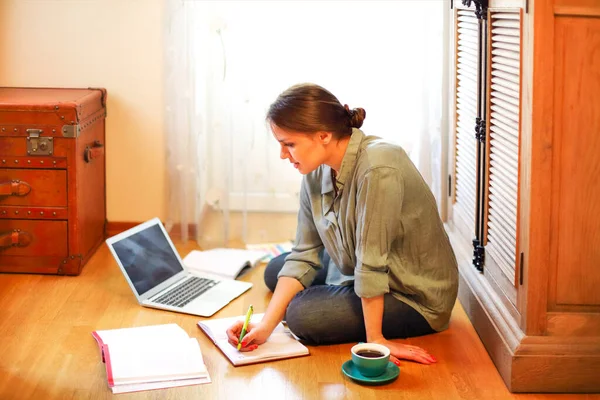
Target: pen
{"x": 246, "y": 322}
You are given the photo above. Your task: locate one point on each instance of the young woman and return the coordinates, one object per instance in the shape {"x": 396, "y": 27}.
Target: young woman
{"x": 371, "y": 260}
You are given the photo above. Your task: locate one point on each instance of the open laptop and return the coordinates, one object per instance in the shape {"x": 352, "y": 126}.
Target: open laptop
{"x": 159, "y": 279}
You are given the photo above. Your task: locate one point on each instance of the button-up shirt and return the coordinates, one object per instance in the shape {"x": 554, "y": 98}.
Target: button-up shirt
{"x": 382, "y": 228}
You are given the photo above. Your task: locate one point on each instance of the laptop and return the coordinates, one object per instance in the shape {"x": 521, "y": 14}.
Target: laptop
{"x": 158, "y": 277}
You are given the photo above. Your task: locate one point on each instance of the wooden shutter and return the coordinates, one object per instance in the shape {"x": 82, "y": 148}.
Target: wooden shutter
{"x": 503, "y": 139}
{"x": 467, "y": 66}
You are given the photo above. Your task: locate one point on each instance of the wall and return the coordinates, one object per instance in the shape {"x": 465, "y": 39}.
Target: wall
{"x": 115, "y": 44}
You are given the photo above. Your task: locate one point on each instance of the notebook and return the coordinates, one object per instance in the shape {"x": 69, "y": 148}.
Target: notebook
{"x": 150, "y": 357}
{"x": 280, "y": 345}
{"x": 158, "y": 278}
{"x": 227, "y": 263}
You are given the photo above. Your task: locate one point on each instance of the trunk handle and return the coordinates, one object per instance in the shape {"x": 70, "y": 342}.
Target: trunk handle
{"x": 14, "y": 188}
{"x": 15, "y": 238}
{"x": 95, "y": 151}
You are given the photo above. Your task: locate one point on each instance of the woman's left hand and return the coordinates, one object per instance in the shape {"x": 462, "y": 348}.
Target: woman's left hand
{"x": 406, "y": 352}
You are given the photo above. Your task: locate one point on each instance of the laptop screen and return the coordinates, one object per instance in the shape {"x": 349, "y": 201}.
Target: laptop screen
{"x": 147, "y": 258}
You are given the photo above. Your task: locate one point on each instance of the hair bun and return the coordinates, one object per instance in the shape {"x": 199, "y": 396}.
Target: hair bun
{"x": 356, "y": 116}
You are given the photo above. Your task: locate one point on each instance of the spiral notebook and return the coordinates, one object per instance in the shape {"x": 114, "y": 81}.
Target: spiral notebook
{"x": 280, "y": 345}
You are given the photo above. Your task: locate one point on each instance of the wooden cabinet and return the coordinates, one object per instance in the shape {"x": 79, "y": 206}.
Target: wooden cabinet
{"x": 52, "y": 178}
{"x": 525, "y": 198}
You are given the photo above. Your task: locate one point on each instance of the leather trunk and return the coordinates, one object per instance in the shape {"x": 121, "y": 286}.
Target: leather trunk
{"x": 52, "y": 178}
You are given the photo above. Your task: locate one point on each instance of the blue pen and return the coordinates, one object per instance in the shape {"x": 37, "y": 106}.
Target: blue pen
{"x": 245, "y": 327}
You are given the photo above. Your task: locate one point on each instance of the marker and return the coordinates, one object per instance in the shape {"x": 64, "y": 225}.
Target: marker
{"x": 246, "y": 322}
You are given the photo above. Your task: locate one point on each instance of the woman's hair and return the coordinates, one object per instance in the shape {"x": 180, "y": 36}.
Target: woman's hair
{"x": 309, "y": 108}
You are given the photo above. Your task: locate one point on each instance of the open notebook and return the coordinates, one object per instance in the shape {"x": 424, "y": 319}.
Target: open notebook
{"x": 150, "y": 357}
{"x": 225, "y": 263}
{"x": 281, "y": 343}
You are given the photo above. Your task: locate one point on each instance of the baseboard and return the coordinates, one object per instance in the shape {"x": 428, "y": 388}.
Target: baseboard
{"x": 539, "y": 371}
{"x": 114, "y": 228}
{"x": 527, "y": 364}
{"x": 497, "y": 347}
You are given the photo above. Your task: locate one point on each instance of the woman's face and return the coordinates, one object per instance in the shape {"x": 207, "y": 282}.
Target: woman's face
{"x": 306, "y": 151}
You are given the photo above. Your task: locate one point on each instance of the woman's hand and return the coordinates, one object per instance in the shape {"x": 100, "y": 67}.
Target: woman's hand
{"x": 256, "y": 334}
{"x": 406, "y": 352}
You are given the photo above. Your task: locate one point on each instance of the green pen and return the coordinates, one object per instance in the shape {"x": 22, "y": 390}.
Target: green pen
{"x": 246, "y": 322}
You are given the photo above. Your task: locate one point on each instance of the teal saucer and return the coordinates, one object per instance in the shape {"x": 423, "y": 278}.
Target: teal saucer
{"x": 391, "y": 372}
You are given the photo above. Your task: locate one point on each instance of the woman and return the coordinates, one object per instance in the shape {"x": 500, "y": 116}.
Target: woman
{"x": 371, "y": 260}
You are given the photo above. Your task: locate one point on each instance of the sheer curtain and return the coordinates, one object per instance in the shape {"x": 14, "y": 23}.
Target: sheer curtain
{"x": 226, "y": 61}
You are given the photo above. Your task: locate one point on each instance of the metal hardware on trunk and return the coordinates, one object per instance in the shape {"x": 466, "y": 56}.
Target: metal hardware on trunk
{"x": 37, "y": 145}
{"x": 478, "y": 255}
{"x": 70, "y": 131}
{"x": 70, "y": 265}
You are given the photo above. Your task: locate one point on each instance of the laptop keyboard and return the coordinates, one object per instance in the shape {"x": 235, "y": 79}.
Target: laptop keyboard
{"x": 185, "y": 293}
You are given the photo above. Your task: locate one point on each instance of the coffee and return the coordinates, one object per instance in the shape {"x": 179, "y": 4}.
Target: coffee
{"x": 369, "y": 353}
{"x": 370, "y": 359}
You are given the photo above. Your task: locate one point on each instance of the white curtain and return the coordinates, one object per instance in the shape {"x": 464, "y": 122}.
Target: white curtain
{"x": 226, "y": 61}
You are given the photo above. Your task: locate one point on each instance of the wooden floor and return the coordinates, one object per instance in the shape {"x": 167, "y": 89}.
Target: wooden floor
{"x": 47, "y": 350}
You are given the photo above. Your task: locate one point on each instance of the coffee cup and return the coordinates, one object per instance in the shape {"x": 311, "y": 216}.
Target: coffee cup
{"x": 371, "y": 359}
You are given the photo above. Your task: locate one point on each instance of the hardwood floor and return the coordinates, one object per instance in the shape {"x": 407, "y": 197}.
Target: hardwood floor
{"x": 47, "y": 350}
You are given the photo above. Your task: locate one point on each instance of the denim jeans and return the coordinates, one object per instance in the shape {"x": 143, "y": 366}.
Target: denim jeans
{"x": 330, "y": 314}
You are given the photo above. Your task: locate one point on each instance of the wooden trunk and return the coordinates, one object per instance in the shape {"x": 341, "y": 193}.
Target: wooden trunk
{"x": 52, "y": 178}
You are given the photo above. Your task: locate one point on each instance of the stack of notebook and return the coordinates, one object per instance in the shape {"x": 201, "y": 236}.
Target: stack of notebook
{"x": 150, "y": 357}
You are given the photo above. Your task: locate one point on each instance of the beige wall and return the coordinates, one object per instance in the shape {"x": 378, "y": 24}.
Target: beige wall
{"x": 115, "y": 44}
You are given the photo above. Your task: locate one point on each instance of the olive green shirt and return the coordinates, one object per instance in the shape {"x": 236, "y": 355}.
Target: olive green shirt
{"x": 383, "y": 228}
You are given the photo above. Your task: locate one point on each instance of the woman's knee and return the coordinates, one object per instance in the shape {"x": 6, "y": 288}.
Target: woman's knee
{"x": 316, "y": 320}
{"x": 272, "y": 270}
{"x": 301, "y": 321}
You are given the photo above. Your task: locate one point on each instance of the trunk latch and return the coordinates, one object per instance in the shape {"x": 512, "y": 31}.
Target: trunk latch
{"x": 39, "y": 146}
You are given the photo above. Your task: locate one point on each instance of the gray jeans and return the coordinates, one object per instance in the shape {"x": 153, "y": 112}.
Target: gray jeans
{"x": 329, "y": 314}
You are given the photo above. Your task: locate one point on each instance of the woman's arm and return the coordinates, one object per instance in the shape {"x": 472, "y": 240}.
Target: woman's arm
{"x": 373, "y": 316}
{"x": 258, "y": 333}
{"x": 379, "y": 206}
{"x": 298, "y": 272}
{"x": 285, "y": 291}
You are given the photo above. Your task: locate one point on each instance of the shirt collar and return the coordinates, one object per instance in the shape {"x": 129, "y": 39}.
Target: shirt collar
{"x": 326, "y": 181}
{"x": 348, "y": 163}
{"x": 349, "y": 160}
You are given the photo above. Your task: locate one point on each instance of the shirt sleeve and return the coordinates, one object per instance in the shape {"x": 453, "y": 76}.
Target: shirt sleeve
{"x": 378, "y": 209}
{"x": 303, "y": 262}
